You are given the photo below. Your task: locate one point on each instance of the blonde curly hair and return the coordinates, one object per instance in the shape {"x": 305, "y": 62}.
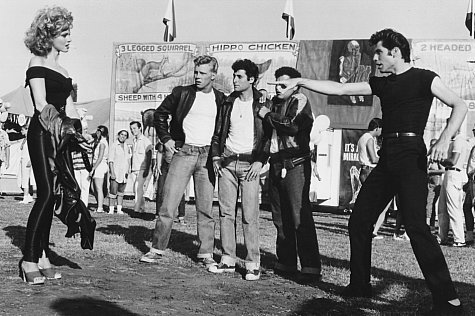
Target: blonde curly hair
{"x": 47, "y": 25}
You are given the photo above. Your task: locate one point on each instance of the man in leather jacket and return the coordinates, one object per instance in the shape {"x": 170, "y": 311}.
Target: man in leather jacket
{"x": 290, "y": 120}
{"x": 193, "y": 113}
{"x": 238, "y": 151}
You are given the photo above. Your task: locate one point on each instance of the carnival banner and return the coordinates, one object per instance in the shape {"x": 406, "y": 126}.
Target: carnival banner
{"x": 340, "y": 61}
{"x": 269, "y": 56}
{"x": 350, "y": 167}
{"x": 143, "y": 75}
{"x": 454, "y": 62}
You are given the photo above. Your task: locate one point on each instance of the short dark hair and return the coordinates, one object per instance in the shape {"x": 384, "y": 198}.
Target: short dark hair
{"x": 375, "y": 123}
{"x": 136, "y": 122}
{"x": 251, "y": 69}
{"x": 123, "y": 130}
{"x": 391, "y": 39}
{"x": 289, "y": 71}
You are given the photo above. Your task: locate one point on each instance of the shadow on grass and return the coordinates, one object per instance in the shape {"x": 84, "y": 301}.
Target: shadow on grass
{"x": 416, "y": 300}
{"x": 79, "y": 306}
{"x": 17, "y": 236}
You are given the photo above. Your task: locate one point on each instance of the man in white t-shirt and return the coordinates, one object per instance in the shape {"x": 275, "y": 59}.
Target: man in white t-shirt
{"x": 238, "y": 155}
{"x": 193, "y": 111}
{"x": 451, "y": 193}
{"x": 141, "y": 164}
{"x": 367, "y": 148}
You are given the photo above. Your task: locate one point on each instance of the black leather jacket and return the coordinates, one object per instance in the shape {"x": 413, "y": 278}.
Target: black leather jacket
{"x": 65, "y": 136}
{"x": 177, "y": 104}
{"x": 293, "y": 121}
{"x": 260, "y": 151}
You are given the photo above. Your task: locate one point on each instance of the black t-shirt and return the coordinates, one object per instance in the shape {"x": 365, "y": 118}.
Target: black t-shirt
{"x": 405, "y": 99}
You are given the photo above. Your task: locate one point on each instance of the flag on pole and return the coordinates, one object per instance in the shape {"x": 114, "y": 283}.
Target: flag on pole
{"x": 288, "y": 16}
{"x": 469, "y": 19}
{"x": 169, "y": 21}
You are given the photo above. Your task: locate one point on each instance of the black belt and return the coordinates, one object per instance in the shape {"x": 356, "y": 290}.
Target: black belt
{"x": 239, "y": 157}
{"x": 397, "y": 134}
{"x": 290, "y": 163}
{"x": 453, "y": 168}
{"x": 366, "y": 167}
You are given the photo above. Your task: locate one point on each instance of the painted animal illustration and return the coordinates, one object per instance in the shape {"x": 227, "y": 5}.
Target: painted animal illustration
{"x": 158, "y": 70}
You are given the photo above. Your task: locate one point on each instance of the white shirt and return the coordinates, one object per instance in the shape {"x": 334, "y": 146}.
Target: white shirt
{"x": 198, "y": 124}
{"x": 459, "y": 145}
{"x": 241, "y": 131}
{"x": 138, "y": 152}
{"x": 119, "y": 155}
{"x": 363, "y": 151}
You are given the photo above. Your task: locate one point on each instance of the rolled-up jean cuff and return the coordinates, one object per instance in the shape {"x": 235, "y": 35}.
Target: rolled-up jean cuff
{"x": 157, "y": 251}
{"x": 204, "y": 255}
{"x": 282, "y": 267}
{"x": 230, "y": 261}
{"x": 309, "y": 270}
{"x": 252, "y": 265}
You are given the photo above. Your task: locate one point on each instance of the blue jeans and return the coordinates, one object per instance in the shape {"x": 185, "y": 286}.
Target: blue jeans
{"x": 188, "y": 161}
{"x": 292, "y": 217}
{"x": 231, "y": 179}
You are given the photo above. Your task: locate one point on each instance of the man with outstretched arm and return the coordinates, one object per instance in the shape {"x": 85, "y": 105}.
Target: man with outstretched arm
{"x": 406, "y": 96}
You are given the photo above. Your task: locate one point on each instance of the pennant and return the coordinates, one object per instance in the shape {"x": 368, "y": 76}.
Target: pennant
{"x": 169, "y": 21}
{"x": 288, "y": 16}
{"x": 469, "y": 18}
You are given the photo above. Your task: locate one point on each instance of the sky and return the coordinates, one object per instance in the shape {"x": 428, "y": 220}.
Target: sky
{"x": 99, "y": 23}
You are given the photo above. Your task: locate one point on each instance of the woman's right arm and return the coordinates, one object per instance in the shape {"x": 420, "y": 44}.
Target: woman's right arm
{"x": 37, "y": 86}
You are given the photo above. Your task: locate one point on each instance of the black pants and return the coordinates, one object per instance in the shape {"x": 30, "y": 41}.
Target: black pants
{"x": 292, "y": 217}
{"x": 401, "y": 170}
{"x": 41, "y": 215}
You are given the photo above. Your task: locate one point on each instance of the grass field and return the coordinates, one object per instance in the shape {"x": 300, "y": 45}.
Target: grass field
{"x": 109, "y": 280}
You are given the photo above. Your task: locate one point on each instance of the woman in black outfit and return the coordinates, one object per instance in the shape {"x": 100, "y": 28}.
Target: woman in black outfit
{"x": 48, "y": 36}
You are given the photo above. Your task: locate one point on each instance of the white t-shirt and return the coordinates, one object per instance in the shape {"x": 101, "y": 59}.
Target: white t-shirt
{"x": 241, "y": 131}
{"x": 198, "y": 124}
{"x": 459, "y": 145}
{"x": 363, "y": 151}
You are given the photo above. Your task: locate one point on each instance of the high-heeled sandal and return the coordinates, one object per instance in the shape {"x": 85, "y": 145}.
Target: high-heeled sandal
{"x": 50, "y": 273}
{"x": 32, "y": 278}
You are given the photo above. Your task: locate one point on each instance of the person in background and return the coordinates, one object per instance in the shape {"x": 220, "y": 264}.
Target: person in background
{"x": 469, "y": 189}
{"x": 368, "y": 157}
{"x": 25, "y": 176}
{"x": 50, "y": 86}
{"x": 119, "y": 168}
{"x": 450, "y": 211}
{"x": 100, "y": 166}
{"x": 141, "y": 164}
{"x": 406, "y": 95}
{"x": 4, "y": 149}
{"x": 434, "y": 175}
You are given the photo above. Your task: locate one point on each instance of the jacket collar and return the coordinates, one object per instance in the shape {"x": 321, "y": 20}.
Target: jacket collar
{"x": 255, "y": 95}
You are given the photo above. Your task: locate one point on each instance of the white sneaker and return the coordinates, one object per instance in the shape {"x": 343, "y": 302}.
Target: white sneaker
{"x": 111, "y": 209}
{"x": 119, "y": 211}
{"x": 253, "y": 275}
{"x": 99, "y": 210}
